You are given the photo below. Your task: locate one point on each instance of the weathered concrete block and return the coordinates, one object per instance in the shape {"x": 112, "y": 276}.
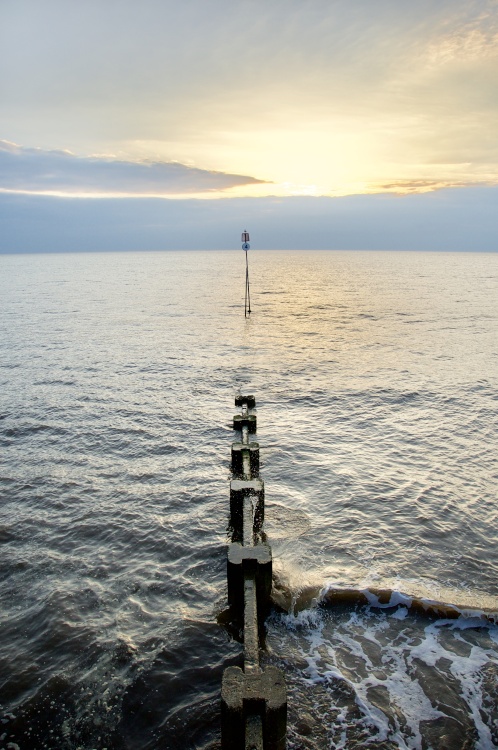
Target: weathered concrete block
{"x": 253, "y": 626}
{"x": 262, "y": 694}
{"x": 254, "y": 733}
{"x": 240, "y": 489}
{"x": 237, "y": 458}
{"x": 249, "y": 401}
{"x": 245, "y": 420}
{"x": 242, "y": 561}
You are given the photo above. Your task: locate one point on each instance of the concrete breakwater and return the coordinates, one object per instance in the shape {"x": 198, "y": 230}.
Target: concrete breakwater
{"x": 253, "y": 699}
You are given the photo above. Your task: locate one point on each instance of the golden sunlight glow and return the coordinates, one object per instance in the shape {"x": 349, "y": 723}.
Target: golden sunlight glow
{"x": 329, "y": 100}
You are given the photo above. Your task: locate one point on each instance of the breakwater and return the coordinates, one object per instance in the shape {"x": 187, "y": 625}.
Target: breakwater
{"x": 253, "y": 699}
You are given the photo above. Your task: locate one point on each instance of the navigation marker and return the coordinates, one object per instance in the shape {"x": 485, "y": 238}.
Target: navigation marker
{"x": 246, "y": 246}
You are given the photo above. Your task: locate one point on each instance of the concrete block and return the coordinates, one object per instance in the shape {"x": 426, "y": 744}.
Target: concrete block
{"x": 252, "y": 626}
{"x": 262, "y": 694}
{"x": 256, "y": 561}
{"x": 239, "y": 489}
{"x": 249, "y": 401}
{"x": 254, "y": 733}
{"x": 245, "y": 420}
{"x": 237, "y": 454}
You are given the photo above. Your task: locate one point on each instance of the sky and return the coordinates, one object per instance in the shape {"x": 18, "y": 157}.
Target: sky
{"x": 323, "y": 123}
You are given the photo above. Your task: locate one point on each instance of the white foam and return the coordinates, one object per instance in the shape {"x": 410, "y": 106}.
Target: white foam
{"x": 468, "y": 671}
{"x": 400, "y": 613}
{"x": 362, "y": 649}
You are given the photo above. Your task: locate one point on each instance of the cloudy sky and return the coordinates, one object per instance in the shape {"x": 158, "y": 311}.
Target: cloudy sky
{"x": 322, "y": 109}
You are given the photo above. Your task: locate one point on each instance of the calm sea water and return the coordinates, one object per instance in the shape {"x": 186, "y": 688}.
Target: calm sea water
{"x": 376, "y": 378}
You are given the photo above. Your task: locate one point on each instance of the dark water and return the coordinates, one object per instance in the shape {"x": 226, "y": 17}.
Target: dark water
{"x": 376, "y": 376}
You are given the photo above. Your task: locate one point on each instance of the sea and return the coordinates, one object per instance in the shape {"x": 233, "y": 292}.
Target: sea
{"x": 376, "y": 384}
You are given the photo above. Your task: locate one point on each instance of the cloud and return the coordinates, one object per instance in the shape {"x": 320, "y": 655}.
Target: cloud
{"x": 34, "y": 170}
{"x": 403, "y": 187}
{"x": 447, "y": 220}
{"x": 470, "y": 34}
{"x": 335, "y": 94}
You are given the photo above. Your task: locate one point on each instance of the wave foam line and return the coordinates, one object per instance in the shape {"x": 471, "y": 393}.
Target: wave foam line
{"x": 308, "y": 597}
{"x": 387, "y": 598}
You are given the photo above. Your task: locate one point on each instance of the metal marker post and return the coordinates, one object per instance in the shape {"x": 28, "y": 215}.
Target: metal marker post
{"x": 246, "y": 246}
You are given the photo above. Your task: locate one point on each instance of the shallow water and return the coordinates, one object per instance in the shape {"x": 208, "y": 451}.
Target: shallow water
{"x": 376, "y": 378}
